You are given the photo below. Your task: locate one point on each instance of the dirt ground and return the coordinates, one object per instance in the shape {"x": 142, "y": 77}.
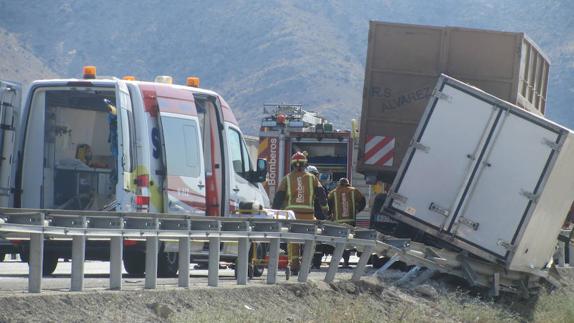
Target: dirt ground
{"x": 316, "y": 301}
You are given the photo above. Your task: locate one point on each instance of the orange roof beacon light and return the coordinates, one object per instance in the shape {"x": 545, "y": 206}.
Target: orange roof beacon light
{"x": 89, "y": 72}
{"x": 192, "y": 81}
{"x": 129, "y": 78}
{"x": 164, "y": 79}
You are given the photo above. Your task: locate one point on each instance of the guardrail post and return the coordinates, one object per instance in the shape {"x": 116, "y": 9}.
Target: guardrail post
{"x": 36, "y": 262}
{"x": 116, "y": 252}
{"x": 273, "y": 261}
{"x": 371, "y": 235}
{"x": 241, "y": 265}
{"x": 337, "y": 232}
{"x": 78, "y": 257}
{"x": 360, "y": 269}
{"x": 308, "y": 253}
{"x": 151, "y": 252}
{"x": 335, "y": 259}
{"x": 183, "y": 278}
{"x": 213, "y": 265}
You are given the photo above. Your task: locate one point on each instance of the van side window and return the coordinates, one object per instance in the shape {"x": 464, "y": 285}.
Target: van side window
{"x": 238, "y": 152}
{"x": 181, "y": 146}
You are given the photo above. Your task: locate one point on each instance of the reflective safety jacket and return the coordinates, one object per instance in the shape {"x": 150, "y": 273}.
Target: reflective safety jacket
{"x": 297, "y": 191}
{"x": 344, "y": 203}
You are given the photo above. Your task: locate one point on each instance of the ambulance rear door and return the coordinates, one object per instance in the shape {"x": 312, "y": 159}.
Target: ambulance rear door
{"x": 10, "y": 102}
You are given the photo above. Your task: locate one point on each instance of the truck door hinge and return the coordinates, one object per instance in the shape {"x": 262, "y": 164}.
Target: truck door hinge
{"x": 529, "y": 195}
{"x": 506, "y": 245}
{"x": 439, "y": 209}
{"x": 469, "y": 223}
{"x": 420, "y": 146}
{"x": 398, "y": 197}
{"x": 441, "y": 96}
{"x": 553, "y": 145}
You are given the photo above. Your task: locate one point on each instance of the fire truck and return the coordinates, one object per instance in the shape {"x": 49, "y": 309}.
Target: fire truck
{"x": 288, "y": 128}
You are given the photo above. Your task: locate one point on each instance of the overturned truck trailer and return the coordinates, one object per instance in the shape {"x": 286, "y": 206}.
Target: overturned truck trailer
{"x": 487, "y": 178}
{"x": 404, "y": 63}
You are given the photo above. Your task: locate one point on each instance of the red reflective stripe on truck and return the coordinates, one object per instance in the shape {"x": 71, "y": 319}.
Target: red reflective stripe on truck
{"x": 379, "y": 150}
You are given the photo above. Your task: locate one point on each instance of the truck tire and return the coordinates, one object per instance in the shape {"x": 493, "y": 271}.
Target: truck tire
{"x": 168, "y": 264}
{"x": 378, "y": 262}
{"x": 134, "y": 263}
{"x": 50, "y": 264}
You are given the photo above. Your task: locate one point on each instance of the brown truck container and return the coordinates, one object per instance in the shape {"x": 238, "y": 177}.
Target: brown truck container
{"x": 403, "y": 65}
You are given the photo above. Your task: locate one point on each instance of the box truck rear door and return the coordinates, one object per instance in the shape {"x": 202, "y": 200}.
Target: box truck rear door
{"x": 429, "y": 184}
{"x": 508, "y": 180}
{"x": 10, "y": 100}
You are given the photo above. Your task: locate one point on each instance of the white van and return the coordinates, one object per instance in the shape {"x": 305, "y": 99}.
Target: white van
{"x": 123, "y": 145}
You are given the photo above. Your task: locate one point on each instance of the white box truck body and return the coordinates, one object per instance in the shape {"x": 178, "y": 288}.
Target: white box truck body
{"x": 486, "y": 176}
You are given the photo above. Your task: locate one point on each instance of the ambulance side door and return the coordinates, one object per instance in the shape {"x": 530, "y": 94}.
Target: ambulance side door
{"x": 184, "y": 186}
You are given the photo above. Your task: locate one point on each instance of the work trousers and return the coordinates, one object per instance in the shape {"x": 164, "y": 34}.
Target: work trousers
{"x": 294, "y": 249}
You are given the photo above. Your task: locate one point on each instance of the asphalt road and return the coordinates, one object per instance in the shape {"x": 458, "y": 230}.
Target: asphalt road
{"x": 14, "y": 277}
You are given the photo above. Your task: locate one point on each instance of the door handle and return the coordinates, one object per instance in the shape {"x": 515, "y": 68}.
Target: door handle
{"x": 200, "y": 185}
{"x": 236, "y": 189}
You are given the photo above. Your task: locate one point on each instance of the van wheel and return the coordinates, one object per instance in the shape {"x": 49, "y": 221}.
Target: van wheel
{"x": 168, "y": 264}
{"x": 50, "y": 264}
{"x": 134, "y": 263}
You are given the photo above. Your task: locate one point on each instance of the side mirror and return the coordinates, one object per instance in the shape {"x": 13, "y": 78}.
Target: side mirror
{"x": 261, "y": 171}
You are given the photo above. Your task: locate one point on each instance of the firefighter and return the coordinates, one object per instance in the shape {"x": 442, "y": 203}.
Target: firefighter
{"x": 320, "y": 214}
{"x": 345, "y": 202}
{"x": 299, "y": 191}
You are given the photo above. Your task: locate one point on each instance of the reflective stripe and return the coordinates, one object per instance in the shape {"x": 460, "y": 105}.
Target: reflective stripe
{"x": 353, "y": 203}
{"x": 336, "y": 205}
{"x": 345, "y": 220}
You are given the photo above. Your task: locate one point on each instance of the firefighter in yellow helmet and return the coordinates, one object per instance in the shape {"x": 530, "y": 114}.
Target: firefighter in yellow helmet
{"x": 345, "y": 202}
{"x": 299, "y": 191}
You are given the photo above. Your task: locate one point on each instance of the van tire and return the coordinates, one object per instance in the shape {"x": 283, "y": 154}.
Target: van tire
{"x": 168, "y": 264}
{"x": 134, "y": 263}
{"x": 50, "y": 264}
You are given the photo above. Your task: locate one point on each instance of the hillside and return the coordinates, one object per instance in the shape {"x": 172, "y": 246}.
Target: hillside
{"x": 269, "y": 51}
{"x": 17, "y": 63}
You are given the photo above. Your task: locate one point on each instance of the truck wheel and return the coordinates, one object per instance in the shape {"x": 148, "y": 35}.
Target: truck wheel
{"x": 168, "y": 264}
{"x": 50, "y": 264}
{"x": 378, "y": 262}
{"x": 256, "y": 271}
{"x": 134, "y": 263}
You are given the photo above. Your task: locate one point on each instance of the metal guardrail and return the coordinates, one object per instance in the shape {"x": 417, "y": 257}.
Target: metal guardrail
{"x": 153, "y": 227}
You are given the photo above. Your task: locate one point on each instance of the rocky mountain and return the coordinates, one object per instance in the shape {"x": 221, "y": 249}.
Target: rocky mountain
{"x": 266, "y": 51}
{"x": 18, "y": 63}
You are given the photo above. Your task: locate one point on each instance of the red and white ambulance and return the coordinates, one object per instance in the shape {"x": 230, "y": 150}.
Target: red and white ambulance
{"x": 123, "y": 145}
